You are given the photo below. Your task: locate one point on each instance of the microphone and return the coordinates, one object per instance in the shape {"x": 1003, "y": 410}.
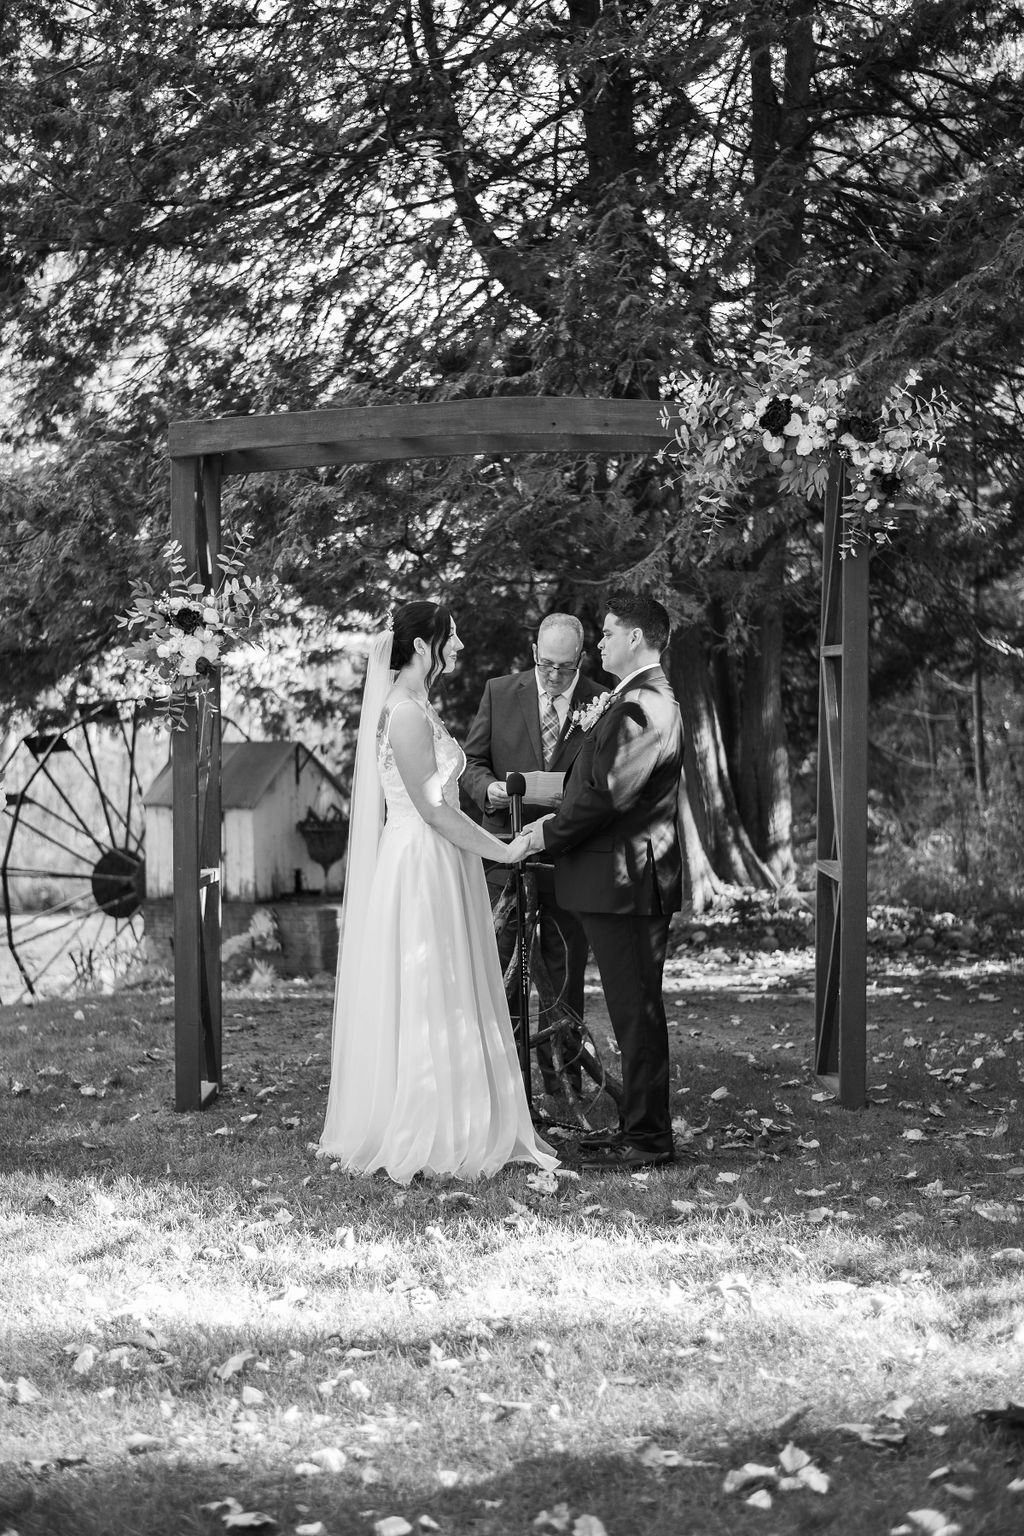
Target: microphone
{"x": 515, "y": 788}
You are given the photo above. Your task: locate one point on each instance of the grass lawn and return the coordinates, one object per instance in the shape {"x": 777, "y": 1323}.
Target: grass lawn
{"x": 203, "y": 1326}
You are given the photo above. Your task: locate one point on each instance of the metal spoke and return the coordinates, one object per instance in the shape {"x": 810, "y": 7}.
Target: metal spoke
{"x": 49, "y": 838}
{"x": 44, "y": 769}
{"x": 97, "y": 827}
{"x": 99, "y": 783}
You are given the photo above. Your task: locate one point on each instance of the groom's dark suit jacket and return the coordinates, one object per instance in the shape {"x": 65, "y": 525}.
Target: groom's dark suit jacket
{"x": 615, "y": 834}
{"x": 505, "y": 738}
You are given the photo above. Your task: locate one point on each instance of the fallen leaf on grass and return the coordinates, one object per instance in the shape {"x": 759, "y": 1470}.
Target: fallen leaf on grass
{"x": 761, "y": 1499}
{"x": 556, "y": 1519}
{"x": 1008, "y": 1255}
{"x": 992, "y": 1210}
{"x": 329, "y": 1458}
{"x": 542, "y": 1183}
{"x": 792, "y": 1458}
{"x": 735, "y": 1289}
{"x": 392, "y": 1525}
{"x": 233, "y": 1364}
{"x": 896, "y": 1410}
{"x": 139, "y": 1444}
{"x": 748, "y": 1476}
{"x": 1017, "y": 1486}
{"x": 656, "y": 1458}
{"x": 311, "y": 1528}
{"x": 739, "y": 1207}
{"x": 875, "y": 1438}
{"x": 588, "y": 1525}
{"x": 926, "y": 1522}
{"x": 249, "y": 1520}
{"x": 20, "y": 1391}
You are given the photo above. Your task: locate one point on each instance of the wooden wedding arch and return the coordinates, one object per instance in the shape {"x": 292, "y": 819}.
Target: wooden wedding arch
{"x": 204, "y": 453}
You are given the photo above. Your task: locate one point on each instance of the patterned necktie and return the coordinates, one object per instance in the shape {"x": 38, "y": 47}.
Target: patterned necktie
{"x": 550, "y": 729}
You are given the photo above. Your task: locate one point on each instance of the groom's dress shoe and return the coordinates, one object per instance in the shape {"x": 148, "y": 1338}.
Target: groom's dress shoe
{"x": 623, "y": 1155}
{"x": 594, "y": 1139}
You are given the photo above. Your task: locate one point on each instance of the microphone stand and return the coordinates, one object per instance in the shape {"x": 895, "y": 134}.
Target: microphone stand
{"x": 515, "y": 788}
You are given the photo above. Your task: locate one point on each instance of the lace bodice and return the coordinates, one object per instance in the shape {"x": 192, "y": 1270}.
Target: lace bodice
{"x": 448, "y": 755}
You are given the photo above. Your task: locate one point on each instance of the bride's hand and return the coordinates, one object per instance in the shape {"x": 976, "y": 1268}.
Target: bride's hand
{"x": 517, "y": 849}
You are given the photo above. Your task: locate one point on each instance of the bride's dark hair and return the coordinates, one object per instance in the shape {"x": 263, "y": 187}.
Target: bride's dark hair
{"x": 431, "y": 622}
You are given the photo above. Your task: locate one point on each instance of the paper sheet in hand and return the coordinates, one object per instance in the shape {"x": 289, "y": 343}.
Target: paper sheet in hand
{"x": 544, "y": 788}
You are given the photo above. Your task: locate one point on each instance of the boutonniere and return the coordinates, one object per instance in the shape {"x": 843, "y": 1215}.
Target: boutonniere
{"x": 587, "y": 718}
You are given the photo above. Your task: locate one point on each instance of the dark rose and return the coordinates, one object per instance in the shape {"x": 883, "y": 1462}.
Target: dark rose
{"x": 188, "y": 619}
{"x": 861, "y": 427}
{"x": 204, "y": 667}
{"x": 889, "y": 485}
{"x": 775, "y": 415}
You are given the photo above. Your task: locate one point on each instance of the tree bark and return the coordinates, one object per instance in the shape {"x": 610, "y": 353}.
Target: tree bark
{"x": 763, "y": 785}
{"x": 727, "y": 856}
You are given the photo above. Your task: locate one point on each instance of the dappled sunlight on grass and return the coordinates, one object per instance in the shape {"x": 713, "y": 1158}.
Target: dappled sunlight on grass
{"x": 481, "y": 1353}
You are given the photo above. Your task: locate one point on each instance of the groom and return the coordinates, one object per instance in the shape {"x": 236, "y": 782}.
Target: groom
{"x": 618, "y": 864}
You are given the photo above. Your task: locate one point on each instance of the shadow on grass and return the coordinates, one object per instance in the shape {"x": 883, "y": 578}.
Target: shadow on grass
{"x": 162, "y": 1494}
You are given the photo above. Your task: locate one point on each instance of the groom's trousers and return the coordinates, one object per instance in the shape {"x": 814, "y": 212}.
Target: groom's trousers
{"x": 630, "y": 955}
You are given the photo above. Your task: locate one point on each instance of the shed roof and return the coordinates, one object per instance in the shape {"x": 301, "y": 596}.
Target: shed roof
{"x": 248, "y": 768}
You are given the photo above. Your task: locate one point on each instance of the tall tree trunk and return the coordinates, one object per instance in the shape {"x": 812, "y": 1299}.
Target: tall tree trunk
{"x": 763, "y": 785}
{"x": 726, "y": 856}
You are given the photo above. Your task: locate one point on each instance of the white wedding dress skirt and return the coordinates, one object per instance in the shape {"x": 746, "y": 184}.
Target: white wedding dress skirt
{"x": 424, "y": 1075}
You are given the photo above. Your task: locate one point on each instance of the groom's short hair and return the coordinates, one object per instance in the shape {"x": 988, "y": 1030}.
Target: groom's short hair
{"x": 638, "y": 610}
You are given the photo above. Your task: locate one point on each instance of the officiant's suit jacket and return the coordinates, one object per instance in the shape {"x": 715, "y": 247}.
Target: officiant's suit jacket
{"x": 505, "y": 738}
{"x": 615, "y": 835}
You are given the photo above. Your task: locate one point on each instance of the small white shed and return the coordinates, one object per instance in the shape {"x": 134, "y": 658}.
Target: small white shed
{"x": 267, "y": 787}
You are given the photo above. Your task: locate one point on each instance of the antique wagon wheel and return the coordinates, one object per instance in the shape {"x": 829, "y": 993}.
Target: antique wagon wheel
{"x": 72, "y": 871}
{"x": 601, "y": 1089}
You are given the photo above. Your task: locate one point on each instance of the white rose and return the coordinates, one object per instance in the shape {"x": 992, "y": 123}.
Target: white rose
{"x": 773, "y": 444}
{"x": 804, "y": 445}
{"x": 729, "y": 442}
{"x": 794, "y": 426}
{"x": 747, "y": 420}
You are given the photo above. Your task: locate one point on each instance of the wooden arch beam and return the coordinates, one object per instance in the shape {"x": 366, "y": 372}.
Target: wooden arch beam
{"x": 452, "y": 428}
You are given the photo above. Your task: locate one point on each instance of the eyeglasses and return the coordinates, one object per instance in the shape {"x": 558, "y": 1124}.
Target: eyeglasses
{"x": 556, "y": 668}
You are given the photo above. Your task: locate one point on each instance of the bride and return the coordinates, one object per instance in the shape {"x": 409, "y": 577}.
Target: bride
{"x": 424, "y": 1072}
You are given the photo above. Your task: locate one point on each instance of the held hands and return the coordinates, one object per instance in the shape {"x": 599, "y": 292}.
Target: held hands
{"x": 518, "y": 849}
{"x": 535, "y": 832}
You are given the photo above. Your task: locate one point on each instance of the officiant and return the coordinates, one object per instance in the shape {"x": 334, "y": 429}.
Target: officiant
{"x": 529, "y": 723}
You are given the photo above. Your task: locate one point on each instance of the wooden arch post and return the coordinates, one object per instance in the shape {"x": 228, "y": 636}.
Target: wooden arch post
{"x": 841, "y": 914}
{"x": 204, "y": 452}
{"x": 196, "y": 848}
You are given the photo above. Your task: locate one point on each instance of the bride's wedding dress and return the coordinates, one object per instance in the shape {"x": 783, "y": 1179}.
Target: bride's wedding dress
{"x": 425, "y": 1077}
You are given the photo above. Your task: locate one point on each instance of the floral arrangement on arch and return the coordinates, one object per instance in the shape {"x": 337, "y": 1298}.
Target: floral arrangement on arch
{"x": 783, "y": 415}
{"x": 179, "y": 637}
